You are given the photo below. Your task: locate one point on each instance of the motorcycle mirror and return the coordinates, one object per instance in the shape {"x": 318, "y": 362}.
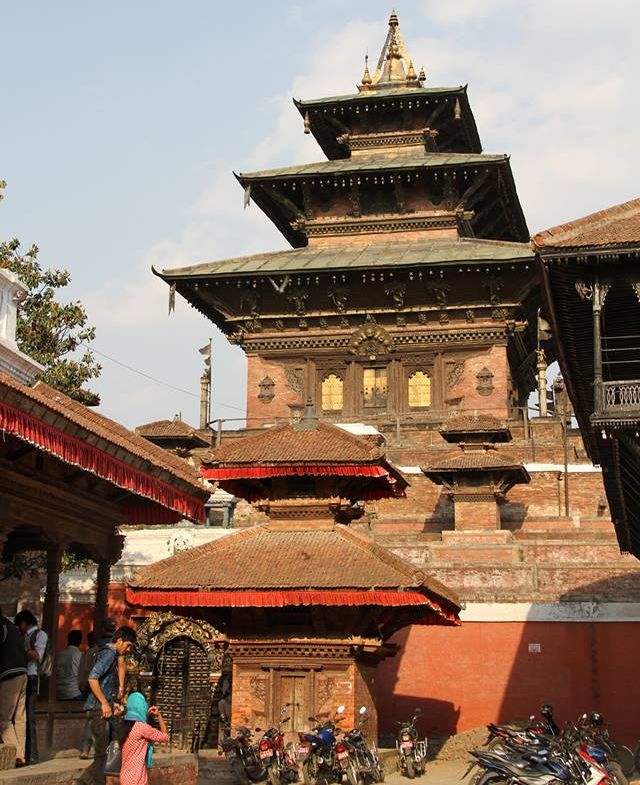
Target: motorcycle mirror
{"x": 258, "y": 730}
{"x": 418, "y": 712}
{"x": 362, "y": 710}
{"x": 312, "y": 719}
{"x": 341, "y": 709}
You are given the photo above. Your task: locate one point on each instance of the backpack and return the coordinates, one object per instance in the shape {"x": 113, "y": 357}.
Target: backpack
{"x": 87, "y": 661}
{"x": 45, "y": 666}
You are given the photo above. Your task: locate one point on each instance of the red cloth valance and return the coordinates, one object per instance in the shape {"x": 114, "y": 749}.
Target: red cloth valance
{"x": 160, "y": 598}
{"x": 259, "y": 472}
{"x": 78, "y": 452}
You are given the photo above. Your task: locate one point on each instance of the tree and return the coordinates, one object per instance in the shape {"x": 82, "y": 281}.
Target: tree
{"x": 49, "y": 331}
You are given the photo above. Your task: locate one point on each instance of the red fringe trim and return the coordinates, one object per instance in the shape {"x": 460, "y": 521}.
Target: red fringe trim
{"x": 259, "y": 472}
{"x": 78, "y": 453}
{"x": 280, "y": 599}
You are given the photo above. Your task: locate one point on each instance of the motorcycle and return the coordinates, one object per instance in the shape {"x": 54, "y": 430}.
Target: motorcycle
{"x": 323, "y": 759}
{"x": 368, "y": 764}
{"x": 412, "y": 753}
{"x": 568, "y": 756}
{"x": 277, "y": 759}
{"x": 243, "y": 760}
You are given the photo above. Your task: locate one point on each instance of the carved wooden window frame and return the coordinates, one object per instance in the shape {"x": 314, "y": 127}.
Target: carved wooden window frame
{"x": 325, "y": 376}
{"x": 429, "y": 378}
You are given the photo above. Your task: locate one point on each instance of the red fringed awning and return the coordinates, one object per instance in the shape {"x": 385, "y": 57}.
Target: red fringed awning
{"x": 150, "y": 598}
{"x": 78, "y": 452}
{"x": 301, "y": 469}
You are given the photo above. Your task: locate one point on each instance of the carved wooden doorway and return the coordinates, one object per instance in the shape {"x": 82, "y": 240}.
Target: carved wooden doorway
{"x": 182, "y": 691}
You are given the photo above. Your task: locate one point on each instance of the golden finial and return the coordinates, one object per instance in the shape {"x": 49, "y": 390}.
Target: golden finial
{"x": 366, "y": 76}
{"x": 393, "y": 19}
{"x": 422, "y": 76}
{"x": 411, "y": 74}
{"x": 457, "y": 111}
{"x": 307, "y": 124}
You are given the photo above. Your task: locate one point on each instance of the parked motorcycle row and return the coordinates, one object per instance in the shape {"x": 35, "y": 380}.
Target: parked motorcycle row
{"x": 540, "y": 753}
{"x": 325, "y": 754}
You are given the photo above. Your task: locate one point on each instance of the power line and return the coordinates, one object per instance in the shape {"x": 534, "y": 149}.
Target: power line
{"x": 159, "y": 381}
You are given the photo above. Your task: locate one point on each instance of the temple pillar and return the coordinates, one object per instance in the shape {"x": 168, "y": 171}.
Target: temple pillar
{"x": 51, "y": 607}
{"x": 103, "y": 578}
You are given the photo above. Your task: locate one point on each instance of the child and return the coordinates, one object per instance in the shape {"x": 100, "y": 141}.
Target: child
{"x": 138, "y": 738}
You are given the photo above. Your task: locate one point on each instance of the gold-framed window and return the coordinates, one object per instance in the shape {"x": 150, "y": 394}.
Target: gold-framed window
{"x": 332, "y": 393}
{"x": 375, "y": 389}
{"x": 419, "y": 389}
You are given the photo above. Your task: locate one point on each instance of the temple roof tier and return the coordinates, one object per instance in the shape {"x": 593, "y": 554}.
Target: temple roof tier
{"x": 401, "y": 253}
{"x": 273, "y": 567}
{"x": 446, "y": 109}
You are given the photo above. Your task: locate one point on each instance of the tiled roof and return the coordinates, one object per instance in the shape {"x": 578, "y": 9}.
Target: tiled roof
{"x": 82, "y": 422}
{"x": 473, "y": 460}
{"x": 470, "y": 424}
{"x": 615, "y": 226}
{"x": 265, "y": 558}
{"x": 170, "y": 429}
{"x": 285, "y": 444}
{"x": 360, "y": 255}
{"x": 373, "y": 163}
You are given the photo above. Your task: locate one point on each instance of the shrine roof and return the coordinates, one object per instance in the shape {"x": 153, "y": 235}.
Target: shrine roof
{"x": 171, "y": 429}
{"x": 457, "y": 427}
{"x": 373, "y": 163}
{"x": 286, "y": 444}
{"x": 262, "y": 557}
{"x": 472, "y": 460}
{"x": 615, "y": 227}
{"x": 378, "y": 254}
{"x": 391, "y": 92}
{"x": 52, "y": 421}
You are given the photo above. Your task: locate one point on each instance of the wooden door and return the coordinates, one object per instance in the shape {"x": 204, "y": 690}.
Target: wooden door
{"x": 293, "y": 697}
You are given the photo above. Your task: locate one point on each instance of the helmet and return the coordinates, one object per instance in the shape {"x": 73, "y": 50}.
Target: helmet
{"x": 595, "y": 718}
{"x": 546, "y": 710}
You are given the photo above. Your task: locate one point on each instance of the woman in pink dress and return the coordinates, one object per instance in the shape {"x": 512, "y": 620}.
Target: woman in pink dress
{"x": 138, "y": 740}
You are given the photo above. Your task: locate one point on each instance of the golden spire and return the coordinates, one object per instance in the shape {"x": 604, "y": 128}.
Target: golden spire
{"x": 395, "y": 67}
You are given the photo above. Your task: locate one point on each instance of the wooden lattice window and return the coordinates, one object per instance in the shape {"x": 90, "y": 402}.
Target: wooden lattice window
{"x": 419, "y": 390}
{"x": 374, "y": 388}
{"x": 332, "y": 393}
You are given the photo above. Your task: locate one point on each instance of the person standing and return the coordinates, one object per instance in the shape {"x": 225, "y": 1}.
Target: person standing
{"x": 138, "y": 738}
{"x": 103, "y": 683}
{"x": 67, "y": 665}
{"x": 35, "y": 644}
{"x": 13, "y": 688}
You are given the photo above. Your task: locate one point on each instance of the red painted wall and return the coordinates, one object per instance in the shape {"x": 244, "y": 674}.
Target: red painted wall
{"x": 483, "y": 671}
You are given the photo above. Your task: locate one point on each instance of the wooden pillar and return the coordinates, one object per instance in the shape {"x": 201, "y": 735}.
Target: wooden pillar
{"x": 51, "y": 608}
{"x": 103, "y": 578}
{"x": 597, "y": 300}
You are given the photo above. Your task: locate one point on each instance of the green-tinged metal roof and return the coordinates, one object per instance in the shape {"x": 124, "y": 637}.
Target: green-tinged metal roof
{"x": 379, "y": 95}
{"x": 340, "y": 257}
{"x": 374, "y": 163}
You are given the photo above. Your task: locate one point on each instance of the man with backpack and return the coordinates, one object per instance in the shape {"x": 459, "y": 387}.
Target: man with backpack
{"x": 104, "y": 687}
{"x": 39, "y": 663}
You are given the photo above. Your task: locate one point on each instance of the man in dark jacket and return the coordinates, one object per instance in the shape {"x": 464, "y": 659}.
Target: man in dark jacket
{"x": 13, "y": 688}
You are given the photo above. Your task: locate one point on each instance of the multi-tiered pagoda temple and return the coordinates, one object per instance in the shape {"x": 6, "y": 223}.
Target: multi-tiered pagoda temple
{"x": 408, "y": 289}
{"x": 409, "y": 298}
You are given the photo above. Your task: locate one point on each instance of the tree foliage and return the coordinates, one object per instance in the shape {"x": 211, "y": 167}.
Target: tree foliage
{"x": 51, "y": 332}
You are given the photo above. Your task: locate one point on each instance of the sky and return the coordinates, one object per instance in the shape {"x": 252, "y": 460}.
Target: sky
{"x": 124, "y": 121}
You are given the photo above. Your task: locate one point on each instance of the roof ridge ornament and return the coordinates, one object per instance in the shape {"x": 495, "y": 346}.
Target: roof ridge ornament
{"x": 395, "y": 67}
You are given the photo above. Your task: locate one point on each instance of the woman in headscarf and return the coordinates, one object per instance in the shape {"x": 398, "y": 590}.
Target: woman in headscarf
{"x": 138, "y": 739}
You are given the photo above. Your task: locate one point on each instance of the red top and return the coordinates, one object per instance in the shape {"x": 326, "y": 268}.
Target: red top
{"x": 134, "y": 753}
